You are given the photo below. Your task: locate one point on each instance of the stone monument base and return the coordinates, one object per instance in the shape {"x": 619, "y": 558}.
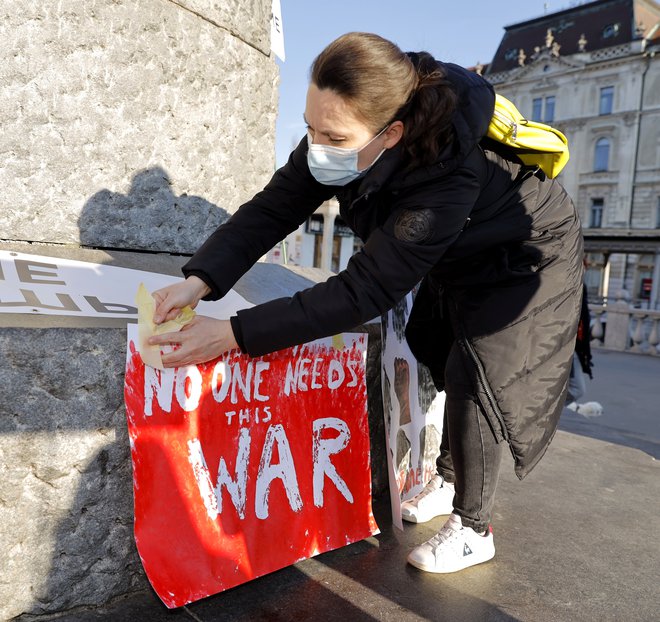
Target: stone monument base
{"x": 66, "y": 501}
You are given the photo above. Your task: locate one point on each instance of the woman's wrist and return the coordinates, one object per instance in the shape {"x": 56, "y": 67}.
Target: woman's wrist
{"x": 200, "y": 288}
{"x": 237, "y": 332}
{"x": 233, "y": 342}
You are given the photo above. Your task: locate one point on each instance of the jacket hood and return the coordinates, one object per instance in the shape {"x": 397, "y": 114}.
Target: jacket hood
{"x": 474, "y": 108}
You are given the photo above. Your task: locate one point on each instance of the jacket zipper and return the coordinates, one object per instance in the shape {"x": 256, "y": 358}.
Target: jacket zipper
{"x": 486, "y": 387}
{"x": 360, "y": 197}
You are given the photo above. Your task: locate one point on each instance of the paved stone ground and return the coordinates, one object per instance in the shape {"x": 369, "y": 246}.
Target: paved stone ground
{"x": 575, "y": 540}
{"x": 628, "y": 387}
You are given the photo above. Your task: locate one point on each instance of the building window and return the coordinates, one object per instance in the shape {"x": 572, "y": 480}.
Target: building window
{"x": 596, "y": 217}
{"x": 611, "y": 30}
{"x": 657, "y": 215}
{"x": 543, "y": 113}
{"x": 549, "y": 116}
{"x": 602, "y": 155}
{"x": 644, "y": 278}
{"x": 606, "y": 99}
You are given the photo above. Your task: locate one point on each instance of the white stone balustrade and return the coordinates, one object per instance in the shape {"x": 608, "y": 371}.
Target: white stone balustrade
{"x": 619, "y": 326}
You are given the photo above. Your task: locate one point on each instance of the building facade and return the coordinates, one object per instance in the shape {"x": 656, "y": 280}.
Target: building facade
{"x": 593, "y": 71}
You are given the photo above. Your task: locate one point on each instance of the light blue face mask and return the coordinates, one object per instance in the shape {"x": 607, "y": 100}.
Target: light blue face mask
{"x": 337, "y": 166}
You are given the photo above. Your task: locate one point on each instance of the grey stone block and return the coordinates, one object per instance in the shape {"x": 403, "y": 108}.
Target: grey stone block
{"x": 246, "y": 19}
{"x": 149, "y": 216}
{"x": 112, "y": 110}
{"x": 66, "y": 486}
{"x": 126, "y": 125}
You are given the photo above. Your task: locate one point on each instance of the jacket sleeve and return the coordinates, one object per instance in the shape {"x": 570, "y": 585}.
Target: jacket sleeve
{"x": 395, "y": 258}
{"x": 282, "y": 206}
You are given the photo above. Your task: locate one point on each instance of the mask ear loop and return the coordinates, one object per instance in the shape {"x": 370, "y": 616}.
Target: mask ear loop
{"x": 375, "y": 137}
{"x": 366, "y": 168}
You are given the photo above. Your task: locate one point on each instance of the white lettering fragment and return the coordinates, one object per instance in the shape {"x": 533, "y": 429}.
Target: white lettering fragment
{"x": 285, "y": 470}
{"x": 221, "y": 376}
{"x": 212, "y": 497}
{"x": 322, "y": 449}
{"x": 336, "y": 374}
{"x": 158, "y": 384}
{"x": 188, "y": 387}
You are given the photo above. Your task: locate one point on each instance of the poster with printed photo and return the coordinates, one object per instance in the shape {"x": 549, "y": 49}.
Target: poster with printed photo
{"x": 413, "y": 412}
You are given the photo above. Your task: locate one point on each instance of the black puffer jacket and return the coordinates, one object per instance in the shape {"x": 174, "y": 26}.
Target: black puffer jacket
{"x": 498, "y": 248}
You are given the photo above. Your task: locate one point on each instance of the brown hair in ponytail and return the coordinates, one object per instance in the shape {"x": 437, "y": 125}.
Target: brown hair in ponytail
{"x": 383, "y": 85}
{"x": 427, "y": 118}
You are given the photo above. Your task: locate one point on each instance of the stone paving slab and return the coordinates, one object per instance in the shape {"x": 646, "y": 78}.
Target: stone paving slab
{"x": 574, "y": 543}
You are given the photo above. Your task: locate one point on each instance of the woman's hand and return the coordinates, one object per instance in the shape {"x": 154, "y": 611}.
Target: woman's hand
{"x": 172, "y": 299}
{"x": 203, "y": 339}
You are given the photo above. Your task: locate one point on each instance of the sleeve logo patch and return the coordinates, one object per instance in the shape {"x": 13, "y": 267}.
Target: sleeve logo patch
{"x": 414, "y": 225}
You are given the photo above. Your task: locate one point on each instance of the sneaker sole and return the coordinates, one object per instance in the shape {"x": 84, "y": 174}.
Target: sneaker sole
{"x": 411, "y": 518}
{"x": 434, "y": 570}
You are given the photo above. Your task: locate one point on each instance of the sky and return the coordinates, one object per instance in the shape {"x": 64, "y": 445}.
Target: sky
{"x": 464, "y": 32}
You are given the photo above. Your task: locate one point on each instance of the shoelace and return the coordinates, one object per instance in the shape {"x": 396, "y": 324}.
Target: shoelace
{"x": 446, "y": 534}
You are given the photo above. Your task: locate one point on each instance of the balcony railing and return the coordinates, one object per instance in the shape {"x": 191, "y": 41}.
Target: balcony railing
{"x": 620, "y": 326}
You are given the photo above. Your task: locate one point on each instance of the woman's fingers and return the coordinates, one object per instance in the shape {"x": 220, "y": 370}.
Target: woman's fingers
{"x": 169, "y": 302}
{"x": 167, "y": 339}
{"x": 163, "y": 306}
{"x": 171, "y": 314}
{"x": 203, "y": 339}
{"x": 172, "y": 299}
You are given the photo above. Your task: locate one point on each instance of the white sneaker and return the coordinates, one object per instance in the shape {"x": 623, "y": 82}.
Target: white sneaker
{"x": 455, "y": 547}
{"x": 436, "y": 499}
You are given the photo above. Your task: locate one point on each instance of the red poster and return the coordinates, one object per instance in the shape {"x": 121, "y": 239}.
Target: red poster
{"x": 242, "y": 466}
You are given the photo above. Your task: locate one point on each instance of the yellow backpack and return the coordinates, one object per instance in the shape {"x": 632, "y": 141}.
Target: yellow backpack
{"x": 536, "y": 144}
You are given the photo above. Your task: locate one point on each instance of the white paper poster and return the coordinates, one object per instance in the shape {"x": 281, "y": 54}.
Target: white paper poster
{"x": 413, "y": 411}
{"x": 277, "y": 31}
{"x": 35, "y": 284}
